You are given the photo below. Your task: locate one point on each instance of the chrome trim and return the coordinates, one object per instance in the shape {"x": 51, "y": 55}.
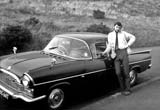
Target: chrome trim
{"x": 21, "y": 96}
{"x": 9, "y": 67}
{"x": 150, "y": 66}
{"x": 31, "y": 79}
{"x": 83, "y": 75}
{"x": 80, "y": 75}
{"x": 139, "y": 61}
{"x": 139, "y": 52}
{"x": 11, "y": 74}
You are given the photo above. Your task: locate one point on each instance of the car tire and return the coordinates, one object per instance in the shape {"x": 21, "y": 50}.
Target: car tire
{"x": 133, "y": 77}
{"x": 56, "y": 99}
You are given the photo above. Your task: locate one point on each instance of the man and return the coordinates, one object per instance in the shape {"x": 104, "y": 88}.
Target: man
{"x": 118, "y": 46}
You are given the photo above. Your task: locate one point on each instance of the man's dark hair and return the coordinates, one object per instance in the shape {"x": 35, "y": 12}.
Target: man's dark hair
{"x": 118, "y": 23}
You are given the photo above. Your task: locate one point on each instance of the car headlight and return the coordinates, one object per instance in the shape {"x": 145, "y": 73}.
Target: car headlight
{"x": 26, "y": 81}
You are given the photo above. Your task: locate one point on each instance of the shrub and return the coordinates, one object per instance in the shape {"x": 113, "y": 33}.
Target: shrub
{"x": 99, "y": 28}
{"x": 2, "y": 43}
{"x": 97, "y": 14}
{"x": 51, "y": 26}
{"x": 10, "y": 1}
{"x": 31, "y": 21}
{"x": 40, "y": 40}
{"x": 27, "y": 10}
{"x": 14, "y": 36}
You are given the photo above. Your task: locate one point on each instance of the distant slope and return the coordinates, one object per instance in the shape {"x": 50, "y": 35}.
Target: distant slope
{"x": 140, "y": 17}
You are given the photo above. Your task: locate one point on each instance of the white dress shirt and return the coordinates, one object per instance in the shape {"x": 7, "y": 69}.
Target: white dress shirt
{"x": 125, "y": 40}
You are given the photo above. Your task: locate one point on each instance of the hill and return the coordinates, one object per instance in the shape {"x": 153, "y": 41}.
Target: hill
{"x": 140, "y": 17}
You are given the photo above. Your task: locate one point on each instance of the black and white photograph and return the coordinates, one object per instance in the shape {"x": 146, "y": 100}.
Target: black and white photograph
{"x": 79, "y": 54}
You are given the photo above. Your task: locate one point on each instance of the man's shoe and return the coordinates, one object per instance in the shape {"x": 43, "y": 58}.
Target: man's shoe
{"x": 126, "y": 93}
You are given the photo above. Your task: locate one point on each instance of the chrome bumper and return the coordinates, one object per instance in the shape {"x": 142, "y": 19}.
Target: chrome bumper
{"x": 18, "y": 95}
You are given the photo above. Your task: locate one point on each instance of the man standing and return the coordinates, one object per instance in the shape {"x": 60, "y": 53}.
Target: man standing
{"x": 118, "y": 47}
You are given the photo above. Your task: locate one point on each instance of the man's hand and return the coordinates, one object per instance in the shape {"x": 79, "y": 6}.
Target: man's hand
{"x": 103, "y": 54}
{"x": 129, "y": 51}
{"x": 106, "y": 54}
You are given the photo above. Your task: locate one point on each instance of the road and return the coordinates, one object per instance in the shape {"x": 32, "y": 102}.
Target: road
{"x": 145, "y": 95}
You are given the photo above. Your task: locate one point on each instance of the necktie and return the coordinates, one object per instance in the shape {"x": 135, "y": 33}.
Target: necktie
{"x": 116, "y": 45}
{"x": 113, "y": 51}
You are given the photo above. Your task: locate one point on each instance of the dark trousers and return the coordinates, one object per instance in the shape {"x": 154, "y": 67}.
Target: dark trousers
{"x": 123, "y": 76}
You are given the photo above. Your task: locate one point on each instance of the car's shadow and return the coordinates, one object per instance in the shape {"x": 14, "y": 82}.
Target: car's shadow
{"x": 94, "y": 95}
{"x": 79, "y": 99}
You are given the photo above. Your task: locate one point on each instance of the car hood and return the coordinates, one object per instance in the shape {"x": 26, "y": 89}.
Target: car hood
{"x": 28, "y": 61}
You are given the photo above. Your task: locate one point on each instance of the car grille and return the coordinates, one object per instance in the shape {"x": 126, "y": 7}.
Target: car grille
{"x": 10, "y": 81}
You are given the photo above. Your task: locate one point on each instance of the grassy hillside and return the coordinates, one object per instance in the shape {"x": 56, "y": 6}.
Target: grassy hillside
{"x": 140, "y": 17}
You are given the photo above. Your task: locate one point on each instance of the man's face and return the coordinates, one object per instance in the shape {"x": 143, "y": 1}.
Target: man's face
{"x": 117, "y": 28}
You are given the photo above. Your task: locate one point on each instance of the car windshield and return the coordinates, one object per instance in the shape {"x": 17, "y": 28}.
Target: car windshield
{"x": 70, "y": 47}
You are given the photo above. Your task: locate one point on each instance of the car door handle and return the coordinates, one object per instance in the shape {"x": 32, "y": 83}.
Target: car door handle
{"x": 82, "y": 76}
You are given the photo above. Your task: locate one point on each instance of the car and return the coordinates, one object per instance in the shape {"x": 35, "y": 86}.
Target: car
{"x": 69, "y": 60}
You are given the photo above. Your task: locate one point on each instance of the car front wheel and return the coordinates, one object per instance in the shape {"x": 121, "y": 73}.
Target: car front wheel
{"x": 56, "y": 99}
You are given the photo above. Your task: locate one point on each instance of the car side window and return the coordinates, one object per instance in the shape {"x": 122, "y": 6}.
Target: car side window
{"x": 100, "y": 47}
{"x": 79, "y": 50}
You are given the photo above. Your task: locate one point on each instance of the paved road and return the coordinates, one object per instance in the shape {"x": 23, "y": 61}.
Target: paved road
{"x": 145, "y": 95}
{"x": 144, "y": 98}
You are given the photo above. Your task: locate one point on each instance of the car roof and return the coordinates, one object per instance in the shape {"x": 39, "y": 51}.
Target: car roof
{"x": 89, "y": 37}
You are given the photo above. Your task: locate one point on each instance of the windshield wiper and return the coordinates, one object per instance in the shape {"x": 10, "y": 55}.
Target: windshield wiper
{"x": 52, "y": 48}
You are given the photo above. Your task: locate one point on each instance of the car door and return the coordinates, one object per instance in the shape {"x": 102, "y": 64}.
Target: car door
{"x": 96, "y": 69}
{"x": 99, "y": 68}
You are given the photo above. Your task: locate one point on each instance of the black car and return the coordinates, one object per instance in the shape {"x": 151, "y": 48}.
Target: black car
{"x": 68, "y": 59}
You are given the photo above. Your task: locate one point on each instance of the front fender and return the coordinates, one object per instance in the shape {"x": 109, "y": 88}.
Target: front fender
{"x": 61, "y": 84}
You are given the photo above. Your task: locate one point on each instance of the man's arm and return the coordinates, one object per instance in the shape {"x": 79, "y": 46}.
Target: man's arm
{"x": 107, "y": 50}
{"x": 131, "y": 38}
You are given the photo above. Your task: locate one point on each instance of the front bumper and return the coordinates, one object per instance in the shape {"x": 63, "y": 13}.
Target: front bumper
{"x": 18, "y": 95}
